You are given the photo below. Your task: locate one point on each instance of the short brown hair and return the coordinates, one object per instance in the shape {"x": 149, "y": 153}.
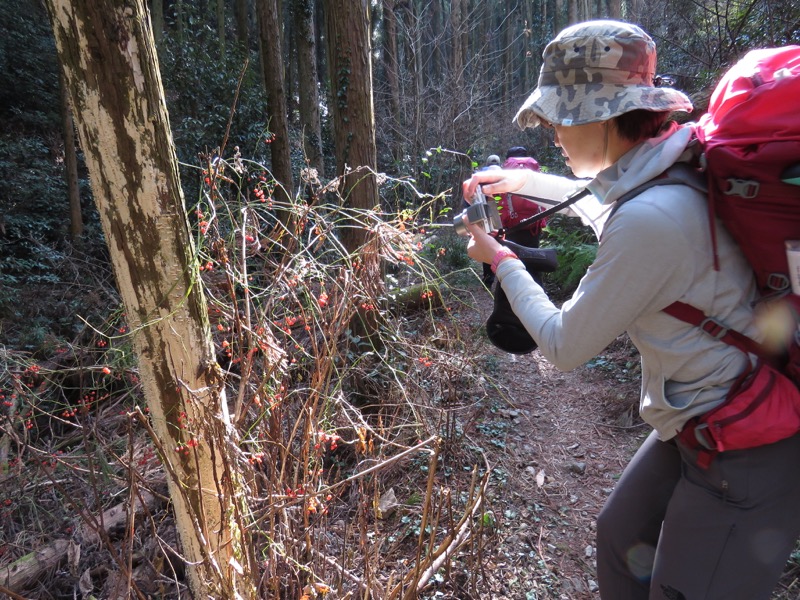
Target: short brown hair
{"x": 640, "y": 124}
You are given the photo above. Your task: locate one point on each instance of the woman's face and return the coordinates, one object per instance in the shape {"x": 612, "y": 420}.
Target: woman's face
{"x": 584, "y": 147}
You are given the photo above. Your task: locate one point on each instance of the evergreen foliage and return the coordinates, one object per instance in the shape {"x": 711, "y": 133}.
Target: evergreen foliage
{"x": 216, "y": 99}
{"x": 29, "y": 91}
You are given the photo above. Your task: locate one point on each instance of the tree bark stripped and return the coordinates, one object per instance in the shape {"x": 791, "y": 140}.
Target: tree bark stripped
{"x": 109, "y": 61}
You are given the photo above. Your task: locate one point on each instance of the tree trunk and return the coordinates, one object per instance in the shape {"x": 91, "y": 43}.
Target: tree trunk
{"x": 534, "y": 53}
{"x": 108, "y": 60}
{"x": 347, "y": 26}
{"x": 391, "y": 70}
{"x": 242, "y": 9}
{"x": 221, "y": 29}
{"x": 419, "y": 79}
{"x": 70, "y": 165}
{"x": 572, "y": 12}
{"x": 459, "y": 117}
{"x": 508, "y": 30}
{"x": 457, "y": 62}
{"x": 307, "y": 83}
{"x": 528, "y": 38}
{"x": 413, "y": 68}
{"x": 157, "y": 19}
{"x": 269, "y": 35}
{"x": 437, "y": 27}
{"x": 180, "y": 24}
{"x": 322, "y": 51}
{"x": 289, "y": 54}
{"x": 558, "y": 16}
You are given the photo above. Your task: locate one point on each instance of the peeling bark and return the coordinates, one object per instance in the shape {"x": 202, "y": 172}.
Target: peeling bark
{"x": 108, "y": 59}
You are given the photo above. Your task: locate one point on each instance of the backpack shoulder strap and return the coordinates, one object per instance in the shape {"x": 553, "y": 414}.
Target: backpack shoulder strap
{"x": 679, "y": 173}
{"x": 684, "y": 173}
{"x": 694, "y": 316}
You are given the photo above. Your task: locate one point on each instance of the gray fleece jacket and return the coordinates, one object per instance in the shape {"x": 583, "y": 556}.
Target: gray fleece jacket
{"x": 655, "y": 249}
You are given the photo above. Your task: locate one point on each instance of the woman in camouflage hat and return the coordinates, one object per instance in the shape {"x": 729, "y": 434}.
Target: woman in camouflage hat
{"x": 671, "y": 529}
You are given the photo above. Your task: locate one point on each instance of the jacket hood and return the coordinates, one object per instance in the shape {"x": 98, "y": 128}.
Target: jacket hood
{"x": 642, "y": 163}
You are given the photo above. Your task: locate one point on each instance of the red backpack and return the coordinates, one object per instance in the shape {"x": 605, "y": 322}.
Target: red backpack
{"x": 514, "y": 208}
{"x": 750, "y": 152}
{"x": 751, "y": 143}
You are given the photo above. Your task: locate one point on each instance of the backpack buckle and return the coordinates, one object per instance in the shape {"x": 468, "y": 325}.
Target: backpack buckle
{"x": 778, "y": 282}
{"x": 714, "y": 328}
{"x": 746, "y": 188}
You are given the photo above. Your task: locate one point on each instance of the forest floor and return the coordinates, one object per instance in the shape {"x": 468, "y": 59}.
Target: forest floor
{"x": 564, "y": 439}
{"x": 554, "y": 443}
{"x": 561, "y": 439}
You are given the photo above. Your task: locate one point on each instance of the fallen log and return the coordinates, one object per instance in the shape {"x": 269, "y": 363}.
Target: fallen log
{"x": 29, "y": 569}
{"x": 421, "y": 296}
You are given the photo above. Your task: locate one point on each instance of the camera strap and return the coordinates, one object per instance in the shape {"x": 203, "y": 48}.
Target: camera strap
{"x": 526, "y": 223}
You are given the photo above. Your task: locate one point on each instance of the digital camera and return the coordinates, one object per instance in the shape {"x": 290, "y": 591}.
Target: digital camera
{"x": 481, "y": 213}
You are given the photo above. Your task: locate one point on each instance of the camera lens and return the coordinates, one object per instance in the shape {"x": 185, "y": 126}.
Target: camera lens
{"x": 459, "y": 225}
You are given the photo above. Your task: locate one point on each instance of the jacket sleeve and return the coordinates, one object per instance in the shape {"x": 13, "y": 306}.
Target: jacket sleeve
{"x": 643, "y": 264}
{"x": 549, "y": 188}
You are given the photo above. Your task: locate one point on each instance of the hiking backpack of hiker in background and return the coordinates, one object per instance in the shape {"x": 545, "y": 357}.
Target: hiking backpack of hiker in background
{"x": 514, "y": 208}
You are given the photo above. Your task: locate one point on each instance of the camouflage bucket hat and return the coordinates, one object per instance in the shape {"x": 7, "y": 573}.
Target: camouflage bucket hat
{"x": 595, "y": 71}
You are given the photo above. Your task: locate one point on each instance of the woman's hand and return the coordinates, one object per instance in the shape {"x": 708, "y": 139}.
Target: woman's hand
{"x": 482, "y": 247}
{"x": 495, "y": 181}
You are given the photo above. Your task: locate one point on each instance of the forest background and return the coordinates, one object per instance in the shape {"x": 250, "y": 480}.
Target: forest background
{"x": 348, "y": 378}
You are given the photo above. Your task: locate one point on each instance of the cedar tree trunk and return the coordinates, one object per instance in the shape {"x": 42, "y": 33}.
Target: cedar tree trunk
{"x": 349, "y": 64}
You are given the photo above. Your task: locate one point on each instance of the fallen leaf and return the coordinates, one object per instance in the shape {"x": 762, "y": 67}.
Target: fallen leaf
{"x": 540, "y": 478}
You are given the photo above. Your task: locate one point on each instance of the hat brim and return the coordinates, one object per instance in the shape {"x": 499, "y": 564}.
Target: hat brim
{"x": 589, "y": 103}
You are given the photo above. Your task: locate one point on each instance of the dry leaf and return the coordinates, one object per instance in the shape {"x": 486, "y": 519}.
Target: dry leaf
{"x": 73, "y": 557}
{"x": 236, "y": 566}
{"x": 540, "y": 478}
{"x": 387, "y": 504}
{"x": 85, "y": 584}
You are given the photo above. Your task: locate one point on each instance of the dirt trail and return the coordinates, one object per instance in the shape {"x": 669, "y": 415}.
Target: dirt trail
{"x": 566, "y": 438}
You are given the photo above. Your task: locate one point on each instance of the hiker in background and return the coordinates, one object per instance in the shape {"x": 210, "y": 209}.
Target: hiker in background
{"x": 513, "y": 208}
{"x": 491, "y": 161}
{"x": 673, "y": 528}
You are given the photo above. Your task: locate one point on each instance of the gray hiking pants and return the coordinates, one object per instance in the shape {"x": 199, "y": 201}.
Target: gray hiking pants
{"x": 673, "y": 531}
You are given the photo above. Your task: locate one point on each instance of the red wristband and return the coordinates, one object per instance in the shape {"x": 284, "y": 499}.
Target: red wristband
{"x": 501, "y": 254}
